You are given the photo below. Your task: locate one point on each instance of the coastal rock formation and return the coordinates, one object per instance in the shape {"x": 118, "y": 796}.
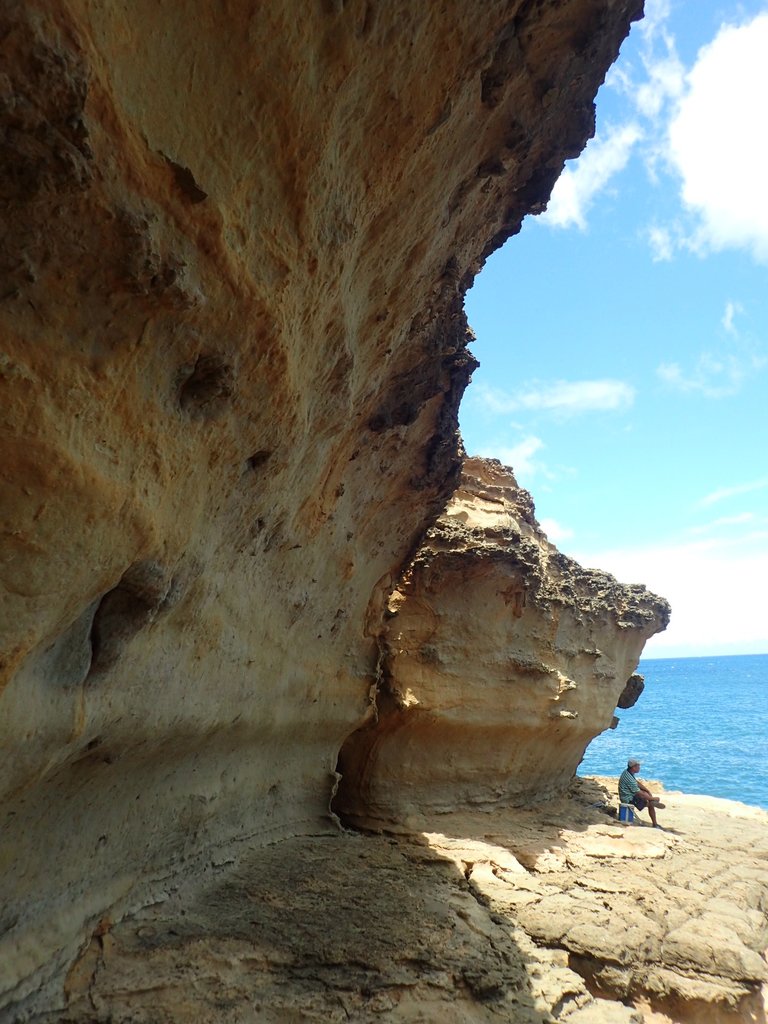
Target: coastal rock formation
{"x": 235, "y": 244}
{"x": 557, "y": 914}
{"x": 501, "y": 660}
{"x": 632, "y": 692}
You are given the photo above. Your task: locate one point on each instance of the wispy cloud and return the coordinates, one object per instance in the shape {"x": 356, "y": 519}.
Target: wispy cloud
{"x": 667, "y": 240}
{"x": 655, "y": 18}
{"x": 567, "y": 398}
{"x": 493, "y": 400}
{"x": 724, "y": 522}
{"x": 722, "y": 493}
{"x": 719, "y": 373}
{"x": 662, "y": 243}
{"x": 664, "y": 82}
{"x": 731, "y": 309}
{"x": 653, "y": 89}
{"x": 582, "y": 181}
{"x": 713, "y": 375}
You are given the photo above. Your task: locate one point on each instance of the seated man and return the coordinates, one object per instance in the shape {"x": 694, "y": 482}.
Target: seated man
{"x": 632, "y": 791}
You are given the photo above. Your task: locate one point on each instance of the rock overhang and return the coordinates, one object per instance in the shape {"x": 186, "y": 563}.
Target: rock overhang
{"x": 233, "y": 270}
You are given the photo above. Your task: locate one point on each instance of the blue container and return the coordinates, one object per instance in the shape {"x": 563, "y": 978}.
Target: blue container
{"x": 626, "y": 814}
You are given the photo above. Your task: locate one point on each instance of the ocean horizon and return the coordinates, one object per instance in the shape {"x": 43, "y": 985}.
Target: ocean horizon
{"x": 700, "y": 726}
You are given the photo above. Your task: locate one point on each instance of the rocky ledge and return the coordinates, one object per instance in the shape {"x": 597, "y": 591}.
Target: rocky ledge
{"x": 553, "y": 914}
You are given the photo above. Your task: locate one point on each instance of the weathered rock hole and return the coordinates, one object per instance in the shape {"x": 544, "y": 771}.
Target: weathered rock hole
{"x": 402, "y": 415}
{"x": 492, "y": 168}
{"x": 369, "y": 20}
{"x": 441, "y": 118}
{"x": 207, "y": 388}
{"x": 506, "y": 57}
{"x": 258, "y": 459}
{"x": 124, "y": 611}
{"x": 92, "y": 754}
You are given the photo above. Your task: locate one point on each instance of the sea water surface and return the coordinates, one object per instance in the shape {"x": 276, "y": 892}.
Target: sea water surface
{"x": 700, "y": 726}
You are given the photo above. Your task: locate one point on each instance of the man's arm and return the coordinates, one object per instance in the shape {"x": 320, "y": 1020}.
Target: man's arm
{"x": 645, "y": 791}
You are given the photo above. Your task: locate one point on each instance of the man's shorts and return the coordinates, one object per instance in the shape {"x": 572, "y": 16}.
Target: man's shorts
{"x": 639, "y": 801}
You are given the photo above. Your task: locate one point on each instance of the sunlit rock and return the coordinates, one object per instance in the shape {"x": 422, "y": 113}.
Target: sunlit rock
{"x": 501, "y": 660}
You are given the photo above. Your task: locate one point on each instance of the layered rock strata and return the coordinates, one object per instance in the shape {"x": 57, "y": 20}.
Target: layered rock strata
{"x": 235, "y": 243}
{"x": 501, "y": 660}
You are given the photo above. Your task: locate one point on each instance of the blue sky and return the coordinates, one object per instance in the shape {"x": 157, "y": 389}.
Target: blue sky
{"x": 623, "y": 334}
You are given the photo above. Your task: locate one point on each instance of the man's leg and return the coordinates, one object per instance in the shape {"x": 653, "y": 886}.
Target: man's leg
{"x": 642, "y": 802}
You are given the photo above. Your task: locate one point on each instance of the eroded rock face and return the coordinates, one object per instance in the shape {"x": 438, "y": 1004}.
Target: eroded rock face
{"x": 236, "y": 240}
{"x": 502, "y": 659}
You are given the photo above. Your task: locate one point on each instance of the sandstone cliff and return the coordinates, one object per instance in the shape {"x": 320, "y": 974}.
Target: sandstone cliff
{"x": 235, "y": 244}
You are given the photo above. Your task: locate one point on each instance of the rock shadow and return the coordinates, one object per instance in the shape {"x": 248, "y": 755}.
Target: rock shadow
{"x": 334, "y": 928}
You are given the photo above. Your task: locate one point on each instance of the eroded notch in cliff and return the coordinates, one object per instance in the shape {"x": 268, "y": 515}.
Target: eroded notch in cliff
{"x": 185, "y": 182}
{"x": 125, "y": 610}
{"x": 506, "y": 58}
{"x": 207, "y": 387}
{"x": 258, "y": 459}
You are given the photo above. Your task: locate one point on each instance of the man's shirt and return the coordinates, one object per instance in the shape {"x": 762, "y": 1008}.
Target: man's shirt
{"x": 627, "y": 786}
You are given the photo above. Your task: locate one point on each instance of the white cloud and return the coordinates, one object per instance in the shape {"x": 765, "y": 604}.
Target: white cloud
{"x": 521, "y": 457}
{"x": 556, "y": 531}
{"x": 571, "y": 398}
{"x": 715, "y": 589}
{"x": 704, "y": 127}
{"x": 730, "y": 492}
{"x": 717, "y": 141}
{"x": 731, "y": 309}
{"x": 662, "y": 244}
{"x": 581, "y": 182}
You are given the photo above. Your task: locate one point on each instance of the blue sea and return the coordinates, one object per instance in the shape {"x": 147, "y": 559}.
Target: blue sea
{"x": 700, "y": 726}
